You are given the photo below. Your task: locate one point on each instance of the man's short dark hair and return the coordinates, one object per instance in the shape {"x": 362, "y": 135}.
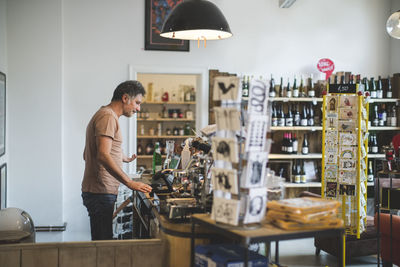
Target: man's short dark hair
{"x": 132, "y": 88}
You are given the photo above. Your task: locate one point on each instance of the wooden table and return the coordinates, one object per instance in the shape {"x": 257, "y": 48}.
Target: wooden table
{"x": 266, "y": 232}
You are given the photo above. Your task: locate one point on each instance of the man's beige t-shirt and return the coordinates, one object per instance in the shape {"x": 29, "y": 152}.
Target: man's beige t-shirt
{"x": 96, "y": 178}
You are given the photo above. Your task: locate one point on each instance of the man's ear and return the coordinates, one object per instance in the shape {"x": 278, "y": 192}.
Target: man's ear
{"x": 125, "y": 98}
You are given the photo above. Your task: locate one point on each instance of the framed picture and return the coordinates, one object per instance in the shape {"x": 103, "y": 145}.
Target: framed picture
{"x": 157, "y": 12}
{"x": 2, "y": 114}
{"x": 3, "y": 186}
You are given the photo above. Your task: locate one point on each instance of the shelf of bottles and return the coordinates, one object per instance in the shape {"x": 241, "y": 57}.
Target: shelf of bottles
{"x": 162, "y": 118}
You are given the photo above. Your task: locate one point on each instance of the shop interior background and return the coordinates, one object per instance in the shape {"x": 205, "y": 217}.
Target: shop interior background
{"x": 63, "y": 59}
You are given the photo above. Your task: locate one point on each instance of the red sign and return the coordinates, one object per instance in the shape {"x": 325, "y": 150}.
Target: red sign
{"x": 326, "y": 66}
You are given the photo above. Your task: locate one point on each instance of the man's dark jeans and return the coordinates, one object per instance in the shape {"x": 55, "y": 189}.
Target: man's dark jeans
{"x": 100, "y": 208}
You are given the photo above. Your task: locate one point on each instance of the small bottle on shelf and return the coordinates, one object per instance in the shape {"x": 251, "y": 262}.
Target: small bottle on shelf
{"x": 392, "y": 120}
{"x": 274, "y": 120}
{"x": 374, "y": 144}
{"x": 187, "y": 129}
{"x": 301, "y": 88}
{"x": 389, "y": 90}
{"x": 295, "y": 88}
{"x": 288, "y": 91}
{"x": 281, "y": 93}
{"x": 370, "y": 177}
{"x": 284, "y": 143}
{"x": 297, "y": 117}
{"x": 289, "y": 144}
{"x": 295, "y": 143}
{"x": 281, "y": 116}
{"x": 303, "y": 178}
{"x": 272, "y": 92}
{"x": 379, "y": 89}
{"x": 289, "y": 117}
{"x": 294, "y": 172}
{"x": 310, "y": 117}
{"x": 297, "y": 177}
{"x": 157, "y": 159}
{"x": 304, "y": 149}
{"x": 304, "y": 116}
{"x": 375, "y": 115}
{"x": 311, "y": 90}
{"x": 373, "y": 88}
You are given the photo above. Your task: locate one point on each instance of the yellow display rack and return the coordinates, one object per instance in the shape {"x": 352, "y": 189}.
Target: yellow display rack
{"x": 344, "y": 157}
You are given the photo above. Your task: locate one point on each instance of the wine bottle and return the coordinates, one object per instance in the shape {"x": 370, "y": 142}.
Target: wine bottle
{"x": 373, "y": 88}
{"x": 366, "y": 85}
{"x": 375, "y": 116}
{"x": 310, "y": 117}
{"x": 303, "y": 178}
{"x": 294, "y": 172}
{"x": 289, "y": 117}
{"x": 389, "y": 90}
{"x": 297, "y": 178}
{"x": 304, "y": 149}
{"x": 295, "y": 88}
{"x": 295, "y": 143}
{"x": 289, "y": 146}
{"x": 374, "y": 147}
{"x": 281, "y": 116}
{"x": 284, "y": 143}
{"x": 304, "y": 118}
{"x": 380, "y": 116}
{"x": 272, "y": 92}
{"x": 288, "y": 91}
{"x": 297, "y": 117}
{"x": 384, "y": 115}
{"x": 370, "y": 177}
{"x": 379, "y": 89}
{"x": 301, "y": 88}
{"x": 139, "y": 149}
{"x": 393, "y": 116}
{"x": 274, "y": 115}
{"x": 281, "y": 91}
{"x": 157, "y": 160}
{"x": 311, "y": 90}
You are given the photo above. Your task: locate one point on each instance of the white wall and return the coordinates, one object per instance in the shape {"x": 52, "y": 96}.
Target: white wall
{"x": 394, "y": 43}
{"x": 97, "y": 41}
{"x": 34, "y": 48}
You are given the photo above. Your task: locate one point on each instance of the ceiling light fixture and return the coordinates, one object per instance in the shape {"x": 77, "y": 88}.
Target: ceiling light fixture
{"x": 196, "y": 20}
{"x": 393, "y": 25}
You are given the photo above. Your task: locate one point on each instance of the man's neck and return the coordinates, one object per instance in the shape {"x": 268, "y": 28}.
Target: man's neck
{"x": 116, "y": 106}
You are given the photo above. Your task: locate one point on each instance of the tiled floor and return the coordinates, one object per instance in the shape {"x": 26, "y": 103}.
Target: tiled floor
{"x": 301, "y": 252}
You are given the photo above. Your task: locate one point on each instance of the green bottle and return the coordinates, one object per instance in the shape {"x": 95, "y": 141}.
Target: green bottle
{"x": 157, "y": 160}
{"x": 187, "y": 129}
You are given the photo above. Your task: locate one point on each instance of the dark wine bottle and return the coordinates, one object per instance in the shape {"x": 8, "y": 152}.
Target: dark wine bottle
{"x": 289, "y": 117}
{"x": 304, "y": 149}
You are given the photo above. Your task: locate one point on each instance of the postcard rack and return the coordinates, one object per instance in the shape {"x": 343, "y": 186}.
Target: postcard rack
{"x": 240, "y": 151}
{"x": 345, "y": 146}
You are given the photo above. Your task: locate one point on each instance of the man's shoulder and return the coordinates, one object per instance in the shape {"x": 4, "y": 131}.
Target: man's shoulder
{"x": 105, "y": 111}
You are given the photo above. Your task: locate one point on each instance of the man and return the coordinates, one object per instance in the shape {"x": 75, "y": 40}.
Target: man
{"x": 103, "y": 158}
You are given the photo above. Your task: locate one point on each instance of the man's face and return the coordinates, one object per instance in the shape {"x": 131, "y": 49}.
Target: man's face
{"x": 131, "y": 104}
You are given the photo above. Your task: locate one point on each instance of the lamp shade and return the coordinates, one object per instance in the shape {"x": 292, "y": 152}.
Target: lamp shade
{"x": 194, "y": 20}
{"x": 393, "y": 25}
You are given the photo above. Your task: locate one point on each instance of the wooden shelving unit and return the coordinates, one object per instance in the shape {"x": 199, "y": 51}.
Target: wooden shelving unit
{"x": 296, "y": 99}
{"x": 296, "y": 156}
{"x": 296, "y": 128}
{"x": 165, "y": 119}
{"x": 171, "y": 103}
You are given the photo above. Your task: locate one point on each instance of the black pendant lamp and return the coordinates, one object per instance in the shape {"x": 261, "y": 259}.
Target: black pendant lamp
{"x": 196, "y": 20}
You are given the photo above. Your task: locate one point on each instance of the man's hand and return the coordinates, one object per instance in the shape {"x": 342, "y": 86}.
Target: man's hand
{"x": 127, "y": 159}
{"x": 139, "y": 186}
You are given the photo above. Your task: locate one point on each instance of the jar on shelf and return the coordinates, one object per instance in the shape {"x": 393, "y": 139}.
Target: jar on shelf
{"x": 165, "y": 113}
{"x": 189, "y": 114}
{"x": 151, "y": 131}
{"x": 168, "y": 131}
{"x": 142, "y": 129}
{"x": 176, "y": 131}
{"x": 187, "y": 129}
{"x": 159, "y": 129}
{"x": 175, "y": 114}
{"x": 180, "y": 114}
{"x": 149, "y": 148}
{"x": 275, "y": 186}
{"x": 139, "y": 150}
{"x": 181, "y": 131}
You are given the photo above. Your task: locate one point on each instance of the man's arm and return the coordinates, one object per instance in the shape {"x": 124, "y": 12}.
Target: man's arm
{"x": 127, "y": 159}
{"x": 103, "y": 155}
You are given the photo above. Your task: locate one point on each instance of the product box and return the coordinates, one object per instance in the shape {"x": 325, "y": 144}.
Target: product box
{"x": 226, "y": 255}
